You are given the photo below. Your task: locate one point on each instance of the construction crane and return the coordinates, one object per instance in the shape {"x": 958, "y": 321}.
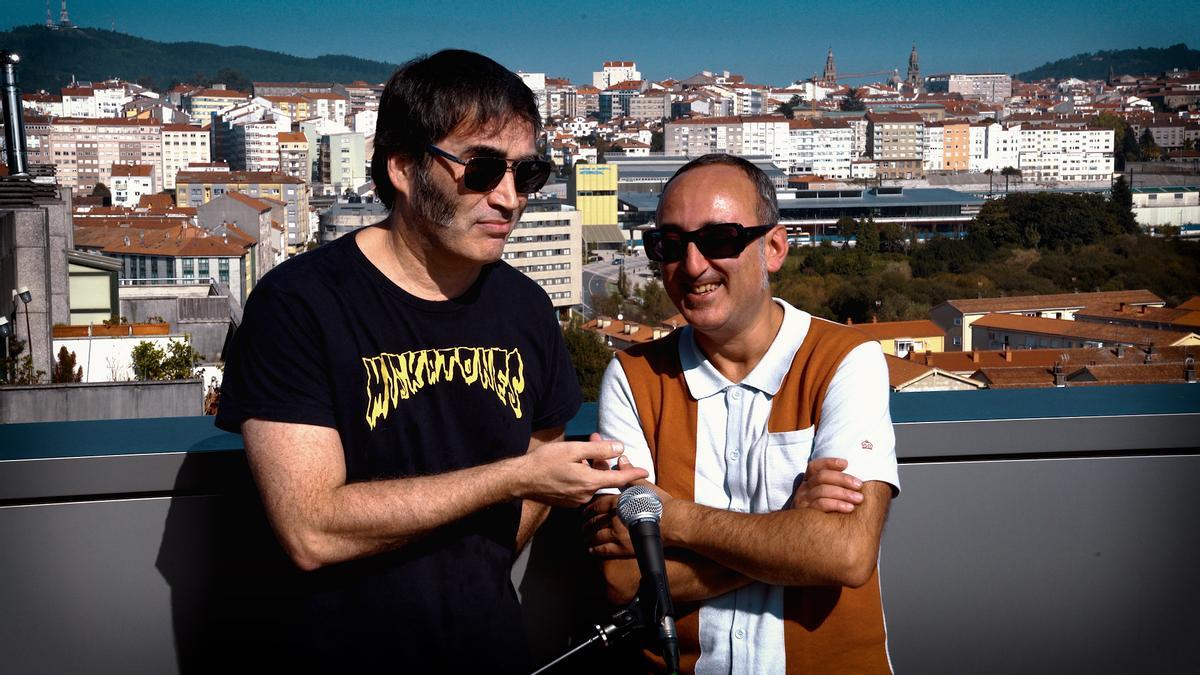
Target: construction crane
{"x": 854, "y": 76}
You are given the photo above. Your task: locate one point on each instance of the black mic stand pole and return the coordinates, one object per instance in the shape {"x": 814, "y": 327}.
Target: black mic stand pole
{"x": 624, "y": 623}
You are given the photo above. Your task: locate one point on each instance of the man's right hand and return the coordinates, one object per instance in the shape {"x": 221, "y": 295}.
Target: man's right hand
{"x": 561, "y": 473}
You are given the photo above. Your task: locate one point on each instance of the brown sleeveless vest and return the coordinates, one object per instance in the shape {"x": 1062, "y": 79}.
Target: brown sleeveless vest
{"x": 827, "y": 629}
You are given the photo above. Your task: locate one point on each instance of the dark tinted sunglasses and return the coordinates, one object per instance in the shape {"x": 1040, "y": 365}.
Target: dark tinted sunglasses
{"x": 483, "y": 174}
{"x": 719, "y": 240}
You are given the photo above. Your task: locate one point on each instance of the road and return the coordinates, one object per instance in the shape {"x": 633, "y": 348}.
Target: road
{"x": 598, "y": 276}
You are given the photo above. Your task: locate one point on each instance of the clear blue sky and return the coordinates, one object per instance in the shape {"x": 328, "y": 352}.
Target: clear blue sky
{"x": 768, "y": 41}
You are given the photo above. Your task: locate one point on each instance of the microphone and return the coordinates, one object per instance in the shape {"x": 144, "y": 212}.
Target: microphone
{"x": 640, "y": 510}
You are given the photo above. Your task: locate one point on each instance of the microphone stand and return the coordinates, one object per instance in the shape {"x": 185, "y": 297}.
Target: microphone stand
{"x": 623, "y": 624}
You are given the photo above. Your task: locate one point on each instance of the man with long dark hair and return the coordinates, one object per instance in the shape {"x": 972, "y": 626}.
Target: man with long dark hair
{"x": 403, "y": 393}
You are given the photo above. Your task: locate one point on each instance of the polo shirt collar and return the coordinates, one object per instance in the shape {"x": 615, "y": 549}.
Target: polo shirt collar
{"x": 704, "y": 380}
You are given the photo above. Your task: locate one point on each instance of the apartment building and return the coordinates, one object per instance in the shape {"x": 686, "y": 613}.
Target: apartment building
{"x": 183, "y": 145}
{"x": 333, "y": 107}
{"x": 935, "y": 144}
{"x": 820, "y": 147}
{"x": 193, "y": 188}
{"x": 83, "y": 151}
{"x": 202, "y": 104}
{"x": 295, "y": 107}
{"x": 1016, "y": 331}
{"x": 293, "y": 155}
{"x": 737, "y": 135}
{"x": 545, "y": 246}
{"x": 990, "y": 87}
{"x": 343, "y": 161}
{"x": 896, "y": 141}
{"x": 613, "y": 72}
{"x": 130, "y": 182}
{"x": 956, "y": 316}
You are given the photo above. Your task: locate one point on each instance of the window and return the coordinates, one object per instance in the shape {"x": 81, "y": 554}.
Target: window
{"x": 223, "y": 270}
{"x": 188, "y": 272}
{"x": 204, "y": 268}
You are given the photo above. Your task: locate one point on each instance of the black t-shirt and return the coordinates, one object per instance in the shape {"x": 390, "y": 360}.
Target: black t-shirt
{"x": 413, "y": 387}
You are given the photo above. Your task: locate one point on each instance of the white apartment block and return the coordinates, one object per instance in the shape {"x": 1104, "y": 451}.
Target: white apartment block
{"x": 545, "y": 246}
{"x": 111, "y": 98}
{"x": 613, "y": 72}
{"x": 130, "y": 182}
{"x": 1043, "y": 152}
{"x": 259, "y": 142}
{"x": 332, "y": 107}
{"x": 537, "y": 84}
{"x": 935, "y": 146}
{"x": 759, "y": 135}
{"x": 183, "y": 144}
{"x": 821, "y": 148}
{"x": 749, "y": 101}
{"x": 79, "y": 102}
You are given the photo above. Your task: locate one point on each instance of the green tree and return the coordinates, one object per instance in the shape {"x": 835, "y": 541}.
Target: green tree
{"x": 177, "y": 362}
{"x": 788, "y": 109}
{"x": 1147, "y": 147}
{"x": 1124, "y": 139}
{"x": 590, "y": 358}
{"x": 65, "y": 369}
{"x": 1121, "y": 203}
{"x": 1008, "y": 172}
{"x": 101, "y": 190}
{"x": 853, "y": 103}
{"x": 867, "y": 236}
{"x": 658, "y": 141}
{"x": 656, "y": 305}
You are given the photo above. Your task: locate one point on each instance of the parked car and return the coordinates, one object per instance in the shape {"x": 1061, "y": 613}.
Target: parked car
{"x": 617, "y": 261}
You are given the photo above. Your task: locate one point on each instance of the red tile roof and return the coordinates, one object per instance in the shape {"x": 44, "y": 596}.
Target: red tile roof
{"x": 1018, "y": 303}
{"x": 1079, "y": 330}
{"x": 132, "y": 170}
{"x": 889, "y": 330}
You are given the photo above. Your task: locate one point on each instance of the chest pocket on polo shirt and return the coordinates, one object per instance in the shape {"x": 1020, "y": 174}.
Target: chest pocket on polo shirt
{"x": 787, "y": 458}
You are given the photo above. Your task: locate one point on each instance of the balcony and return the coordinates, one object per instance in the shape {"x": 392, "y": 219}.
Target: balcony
{"x": 1039, "y": 530}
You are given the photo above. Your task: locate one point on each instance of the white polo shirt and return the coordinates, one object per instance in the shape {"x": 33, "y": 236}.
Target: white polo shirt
{"x": 742, "y": 467}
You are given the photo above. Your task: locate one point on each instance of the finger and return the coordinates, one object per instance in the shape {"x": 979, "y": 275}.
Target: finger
{"x": 622, "y": 477}
{"x": 834, "y": 492}
{"x": 591, "y": 450}
{"x": 822, "y": 463}
{"x": 608, "y": 551}
{"x": 832, "y": 506}
{"x": 829, "y": 477}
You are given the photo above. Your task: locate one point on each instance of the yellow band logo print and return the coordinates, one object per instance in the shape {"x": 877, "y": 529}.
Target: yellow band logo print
{"x": 392, "y": 378}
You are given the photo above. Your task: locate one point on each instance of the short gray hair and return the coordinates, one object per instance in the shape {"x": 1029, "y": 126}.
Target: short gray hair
{"x": 767, "y": 208}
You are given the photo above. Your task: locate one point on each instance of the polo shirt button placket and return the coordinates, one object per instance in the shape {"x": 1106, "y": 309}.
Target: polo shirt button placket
{"x": 739, "y": 634}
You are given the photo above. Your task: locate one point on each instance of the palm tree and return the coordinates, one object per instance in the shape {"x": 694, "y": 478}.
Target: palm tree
{"x": 989, "y": 173}
{"x": 1006, "y": 172}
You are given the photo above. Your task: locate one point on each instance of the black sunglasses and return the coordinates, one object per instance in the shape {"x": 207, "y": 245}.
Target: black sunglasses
{"x": 483, "y": 174}
{"x": 719, "y": 240}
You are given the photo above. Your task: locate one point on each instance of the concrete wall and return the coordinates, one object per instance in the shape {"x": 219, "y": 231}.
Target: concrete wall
{"x": 1017, "y": 545}
{"x": 38, "y": 238}
{"x": 101, "y": 401}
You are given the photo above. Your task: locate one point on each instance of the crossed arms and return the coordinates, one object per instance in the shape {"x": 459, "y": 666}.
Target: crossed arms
{"x": 829, "y": 536}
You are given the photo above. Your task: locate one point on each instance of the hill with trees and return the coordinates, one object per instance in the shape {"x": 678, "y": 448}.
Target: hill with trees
{"x": 51, "y": 58}
{"x": 1095, "y": 66}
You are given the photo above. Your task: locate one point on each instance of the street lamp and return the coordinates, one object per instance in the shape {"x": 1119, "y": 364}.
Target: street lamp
{"x": 25, "y": 296}
{"x": 5, "y": 331}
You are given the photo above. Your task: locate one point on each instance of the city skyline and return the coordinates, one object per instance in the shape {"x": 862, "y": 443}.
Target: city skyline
{"x": 676, "y": 40}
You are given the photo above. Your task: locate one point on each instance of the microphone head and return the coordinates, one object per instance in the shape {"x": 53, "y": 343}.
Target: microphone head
{"x": 639, "y": 503}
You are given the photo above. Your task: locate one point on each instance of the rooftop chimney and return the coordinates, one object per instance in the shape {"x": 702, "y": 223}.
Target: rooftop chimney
{"x": 14, "y": 118}
{"x": 1189, "y": 370}
{"x": 1008, "y": 356}
{"x": 1060, "y": 380}
{"x": 1120, "y": 350}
